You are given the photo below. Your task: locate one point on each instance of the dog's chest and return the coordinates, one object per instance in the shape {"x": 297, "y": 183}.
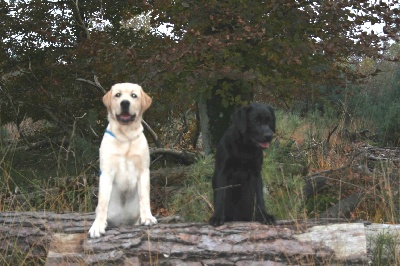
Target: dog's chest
{"x": 128, "y": 170}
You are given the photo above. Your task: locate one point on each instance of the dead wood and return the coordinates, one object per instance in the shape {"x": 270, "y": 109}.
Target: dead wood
{"x": 313, "y": 185}
{"x": 62, "y": 239}
{"x": 171, "y": 176}
{"x": 96, "y": 83}
{"x": 344, "y": 208}
{"x": 184, "y": 157}
{"x": 316, "y": 182}
{"x": 153, "y": 134}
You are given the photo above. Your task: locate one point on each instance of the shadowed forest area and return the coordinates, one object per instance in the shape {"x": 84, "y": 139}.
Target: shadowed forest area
{"x": 329, "y": 68}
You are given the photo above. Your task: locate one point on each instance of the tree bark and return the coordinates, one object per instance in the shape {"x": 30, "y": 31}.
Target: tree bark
{"x": 61, "y": 239}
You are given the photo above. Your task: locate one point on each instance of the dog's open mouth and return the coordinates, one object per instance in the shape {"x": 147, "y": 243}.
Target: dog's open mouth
{"x": 264, "y": 145}
{"x": 126, "y": 118}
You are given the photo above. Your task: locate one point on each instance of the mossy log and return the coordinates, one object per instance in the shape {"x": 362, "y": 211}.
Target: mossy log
{"x": 61, "y": 239}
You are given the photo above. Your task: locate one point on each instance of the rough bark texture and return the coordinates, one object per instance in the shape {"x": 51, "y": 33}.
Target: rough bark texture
{"x": 62, "y": 239}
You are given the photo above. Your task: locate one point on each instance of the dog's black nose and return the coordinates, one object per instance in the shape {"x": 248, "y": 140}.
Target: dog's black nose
{"x": 125, "y": 105}
{"x": 267, "y": 137}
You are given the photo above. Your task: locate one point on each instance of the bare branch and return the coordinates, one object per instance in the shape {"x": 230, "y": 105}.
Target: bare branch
{"x": 95, "y": 83}
{"x": 184, "y": 156}
{"x": 152, "y": 134}
{"x": 79, "y": 19}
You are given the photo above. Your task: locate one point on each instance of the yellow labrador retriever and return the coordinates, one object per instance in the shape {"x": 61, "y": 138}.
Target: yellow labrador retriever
{"x": 124, "y": 187}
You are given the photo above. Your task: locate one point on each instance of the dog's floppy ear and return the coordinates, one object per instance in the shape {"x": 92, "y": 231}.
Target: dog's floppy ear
{"x": 239, "y": 119}
{"x": 272, "y": 123}
{"x": 107, "y": 100}
{"x": 146, "y": 101}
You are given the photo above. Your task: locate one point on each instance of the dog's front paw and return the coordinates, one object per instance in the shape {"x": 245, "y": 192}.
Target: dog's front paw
{"x": 216, "y": 220}
{"x": 98, "y": 228}
{"x": 148, "y": 220}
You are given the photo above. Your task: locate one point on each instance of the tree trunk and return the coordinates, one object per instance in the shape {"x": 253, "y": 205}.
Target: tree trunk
{"x": 62, "y": 239}
{"x": 205, "y": 127}
{"x": 233, "y": 93}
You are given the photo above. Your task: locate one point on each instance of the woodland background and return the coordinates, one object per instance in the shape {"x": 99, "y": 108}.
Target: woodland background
{"x": 329, "y": 68}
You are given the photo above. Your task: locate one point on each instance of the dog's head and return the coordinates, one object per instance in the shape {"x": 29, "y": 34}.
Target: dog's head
{"x": 256, "y": 123}
{"x": 126, "y": 102}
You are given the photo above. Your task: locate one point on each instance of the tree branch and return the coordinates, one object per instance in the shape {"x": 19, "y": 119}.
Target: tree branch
{"x": 78, "y": 17}
{"x": 152, "y": 134}
{"x": 184, "y": 156}
{"x": 95, "y": 83}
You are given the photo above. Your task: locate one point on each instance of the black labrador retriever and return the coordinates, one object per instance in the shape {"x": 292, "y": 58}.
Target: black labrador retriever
{"x": 237, "y": 182}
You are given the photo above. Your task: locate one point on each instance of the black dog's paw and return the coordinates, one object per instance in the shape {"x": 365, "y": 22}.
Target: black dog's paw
{"x": 216, "y": 220}
{"x": 268, "y": 219}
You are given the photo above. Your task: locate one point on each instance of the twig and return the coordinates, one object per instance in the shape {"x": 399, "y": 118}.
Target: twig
{"x": 230, "y": 186}
{"x": 210, "y": 205}
{"x": 95, "y": 83}
{"x": 152, "y": 134}
{"x": 54, "y": 117}
{"x": 186, "y": 157}
{"x": 330, "y": 134}
{"x": 72, "y": 136}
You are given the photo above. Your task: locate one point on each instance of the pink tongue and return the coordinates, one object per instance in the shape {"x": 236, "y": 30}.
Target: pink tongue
{"x": 125, "y": 116}
{"x": 264, "y": 145}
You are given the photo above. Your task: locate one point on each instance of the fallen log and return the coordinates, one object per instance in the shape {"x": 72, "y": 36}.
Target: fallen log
{"x": 344, "y": 207}
{"x": 171, "y": 176}
{"x": 62, "y": 239}
{"x": 184, "y": 157}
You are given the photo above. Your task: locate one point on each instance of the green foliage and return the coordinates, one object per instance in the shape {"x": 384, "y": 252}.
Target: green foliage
{"x": 320, "y": 203}
{"x": 228, "y": 49}
{"x": 391, "y": 125}
{"x": 56, "y": 178}
{"x": 375, "y": 103}
{"x": 194, "y": 201}
{"x": 384, "y": 249}
{"x": 282, "y": 175}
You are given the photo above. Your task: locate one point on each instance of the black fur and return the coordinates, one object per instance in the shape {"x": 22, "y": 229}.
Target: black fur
{"x": 237, "y": 182}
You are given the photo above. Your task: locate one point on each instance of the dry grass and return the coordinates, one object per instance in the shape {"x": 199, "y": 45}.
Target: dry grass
{"x": 301, "y": 147}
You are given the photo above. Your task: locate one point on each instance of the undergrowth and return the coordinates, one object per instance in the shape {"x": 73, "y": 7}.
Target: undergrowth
{"x": 384, "y": 249}
{"x": 194, "y": 201}
{"x": 63, "y": 179}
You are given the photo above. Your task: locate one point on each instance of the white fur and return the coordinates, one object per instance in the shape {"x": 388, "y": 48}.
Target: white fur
{"x": 124, "y": 186}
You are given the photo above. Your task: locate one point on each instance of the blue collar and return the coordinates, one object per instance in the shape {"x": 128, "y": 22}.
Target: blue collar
{"x": 110, "y": 133}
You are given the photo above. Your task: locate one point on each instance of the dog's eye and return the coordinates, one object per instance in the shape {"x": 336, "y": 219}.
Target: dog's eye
{"x": 134, "y": 95}
{"x": 118, "y": 95}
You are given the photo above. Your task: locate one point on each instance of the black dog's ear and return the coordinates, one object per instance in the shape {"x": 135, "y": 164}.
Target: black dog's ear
{"x": 272, "y": 124}
{"x": 239, "y": 119}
